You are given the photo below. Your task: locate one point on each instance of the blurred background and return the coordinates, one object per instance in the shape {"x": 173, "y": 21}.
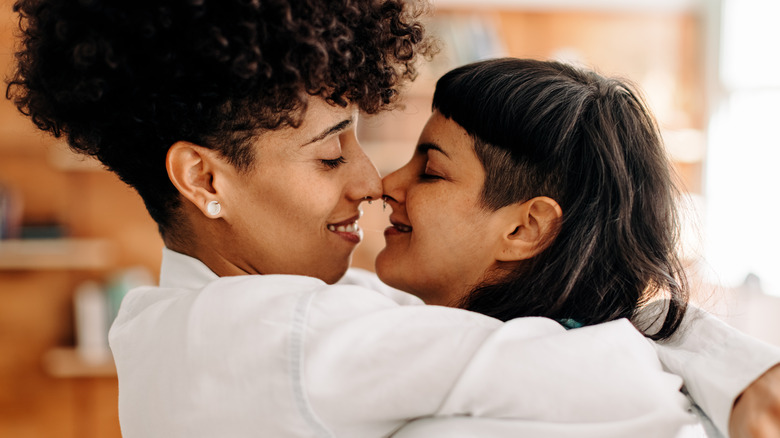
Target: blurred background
{"x": 73, "y": 238}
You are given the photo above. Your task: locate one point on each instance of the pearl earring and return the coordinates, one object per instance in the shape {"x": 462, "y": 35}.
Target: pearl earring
{"x": 213, "y": 208}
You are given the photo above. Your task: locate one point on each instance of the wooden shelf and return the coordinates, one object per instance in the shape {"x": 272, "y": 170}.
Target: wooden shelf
{"x": 38, "y": 254}
{"x": 68, "y": 363}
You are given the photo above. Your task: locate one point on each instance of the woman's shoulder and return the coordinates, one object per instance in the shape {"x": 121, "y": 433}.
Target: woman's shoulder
{"x": 255, "y": 297}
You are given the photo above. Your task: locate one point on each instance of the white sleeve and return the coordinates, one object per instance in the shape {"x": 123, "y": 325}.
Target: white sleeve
{"x": 477, "y": 427}
{"x": 604, "y": 372}
{"x": 387, "y": 366}
{"x": 716, "y": 361}
{"x": 560, "y": 404}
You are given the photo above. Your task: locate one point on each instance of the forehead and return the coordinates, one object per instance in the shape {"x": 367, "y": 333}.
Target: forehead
{"x": 316, "y": 120}
{"x": 450, "y": 137}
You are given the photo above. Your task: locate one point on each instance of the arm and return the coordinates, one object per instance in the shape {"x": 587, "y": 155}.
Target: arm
{"x": 718, "y": 364}
{"x": 756, "y": 412}
{"x": 560, "y": 403}
{"x": 389, "y": 365}
{"x": 702, "y": 341}
{"x": 582, "y": 375}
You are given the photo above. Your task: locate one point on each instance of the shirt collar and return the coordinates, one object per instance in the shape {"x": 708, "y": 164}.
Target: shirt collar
{"x": 182, "y": 271}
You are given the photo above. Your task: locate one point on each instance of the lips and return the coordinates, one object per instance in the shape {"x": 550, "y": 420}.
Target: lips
{"x": 348, "y": 229}
{"x": 401, "y": 227}
{"x": 398, "y": 224}
{"x": 397, "y": 228}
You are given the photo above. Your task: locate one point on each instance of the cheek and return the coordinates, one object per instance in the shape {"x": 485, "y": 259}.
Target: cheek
{"x": 453, "y": 243}
{"x": 306, "y": 199}
{"x": 444, "y": 223}
{"x": 437, "y": 245}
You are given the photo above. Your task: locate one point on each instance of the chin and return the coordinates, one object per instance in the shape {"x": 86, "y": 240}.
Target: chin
{"x": 333, "y": 275}
{"x": 384, "y": 270}
{"x": 403, "y": 278}
{"x": 394, "y": 278}
{"x": 388, "y": 279}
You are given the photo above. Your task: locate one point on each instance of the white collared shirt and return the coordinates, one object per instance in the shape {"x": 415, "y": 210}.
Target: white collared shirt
{"x": 290, "y": 356}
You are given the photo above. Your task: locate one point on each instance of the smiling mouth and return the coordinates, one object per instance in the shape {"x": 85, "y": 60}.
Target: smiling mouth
{"x": 402, "y": 228}
{"x": 344, "y": 228}
{"x": 349, "y": 230}
{"x": 398, "y": 227}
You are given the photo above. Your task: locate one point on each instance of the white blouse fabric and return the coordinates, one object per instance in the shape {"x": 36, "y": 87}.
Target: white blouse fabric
{"x": 290, "y": 356}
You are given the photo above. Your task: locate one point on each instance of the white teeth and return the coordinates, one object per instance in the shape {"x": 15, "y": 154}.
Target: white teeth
{"x": 403, "y": 228}
{"x": 351, "y": 228}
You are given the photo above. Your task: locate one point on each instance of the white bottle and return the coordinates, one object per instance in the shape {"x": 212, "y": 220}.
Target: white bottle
{"x": 91, "y": 314}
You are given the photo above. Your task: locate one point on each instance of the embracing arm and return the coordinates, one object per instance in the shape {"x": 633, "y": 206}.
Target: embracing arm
{"x": 733, "y": 377}
{"x": 756, "y": 412}
{"x": 390, "y": 364}
{"x": 725, "y": 370}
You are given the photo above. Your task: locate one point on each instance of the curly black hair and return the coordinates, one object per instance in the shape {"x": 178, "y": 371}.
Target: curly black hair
{"x": 125, "y": 79}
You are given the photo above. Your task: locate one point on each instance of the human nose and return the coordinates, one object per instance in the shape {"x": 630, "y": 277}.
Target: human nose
{"x": 367, "y": 183}
{"x": 393, "y": 186}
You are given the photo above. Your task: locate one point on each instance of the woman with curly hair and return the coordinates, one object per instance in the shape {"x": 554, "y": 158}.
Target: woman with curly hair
{"x": 235, "y": 122}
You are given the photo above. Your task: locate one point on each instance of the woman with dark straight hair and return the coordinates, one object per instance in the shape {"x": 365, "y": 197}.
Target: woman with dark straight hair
{"x": 542, "y": 189}
{"x": 591, "y": 144}
{"x": 586, "y": 149}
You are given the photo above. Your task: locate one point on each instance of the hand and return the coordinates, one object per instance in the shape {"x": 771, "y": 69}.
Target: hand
{"x": 756, "y": 413}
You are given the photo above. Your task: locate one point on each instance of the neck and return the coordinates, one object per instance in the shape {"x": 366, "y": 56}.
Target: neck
{"x": 204, "y": 246}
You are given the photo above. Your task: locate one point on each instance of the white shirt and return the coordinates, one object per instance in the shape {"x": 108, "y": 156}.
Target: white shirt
{"x": 290, "y": 356}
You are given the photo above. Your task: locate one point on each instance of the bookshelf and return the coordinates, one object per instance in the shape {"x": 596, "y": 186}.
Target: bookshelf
{"x": 45, "y": 254}
{"x": 64, "y": 362}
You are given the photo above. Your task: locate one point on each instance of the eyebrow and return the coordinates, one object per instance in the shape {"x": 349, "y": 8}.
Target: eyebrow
{"x": 423, "y": 148}
{"x": 338, "y": 127}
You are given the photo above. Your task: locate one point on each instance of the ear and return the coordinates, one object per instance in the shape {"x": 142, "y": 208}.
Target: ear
{"x": 192, "y": 169}
{"x": 531, "y": 227}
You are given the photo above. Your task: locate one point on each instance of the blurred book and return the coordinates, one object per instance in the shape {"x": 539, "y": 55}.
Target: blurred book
{"x": 10, "y": 212}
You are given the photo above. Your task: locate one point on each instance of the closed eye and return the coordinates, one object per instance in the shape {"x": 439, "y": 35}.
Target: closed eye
{"x": 429, "y": 177}
{"x": 332, "y": 164}
{"x": 429, "y": 174}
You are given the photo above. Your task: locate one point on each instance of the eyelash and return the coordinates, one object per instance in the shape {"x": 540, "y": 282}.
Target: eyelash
{"x": 424, "y": 176}
{"x": 428, "y": 177}
{"x": 332, "y": 164}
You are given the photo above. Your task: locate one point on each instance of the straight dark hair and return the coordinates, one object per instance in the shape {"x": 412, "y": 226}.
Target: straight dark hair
{"x": 589, "y": 142}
